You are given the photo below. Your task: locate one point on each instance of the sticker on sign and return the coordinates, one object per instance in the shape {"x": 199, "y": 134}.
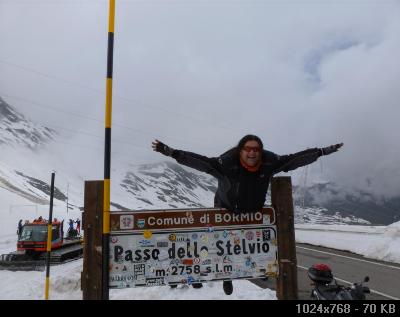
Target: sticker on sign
{"x": 126, "y": 222}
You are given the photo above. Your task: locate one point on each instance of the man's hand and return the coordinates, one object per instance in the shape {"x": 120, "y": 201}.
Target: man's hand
{"x": 330, "y": 149}
{"x": 162, "y": 148}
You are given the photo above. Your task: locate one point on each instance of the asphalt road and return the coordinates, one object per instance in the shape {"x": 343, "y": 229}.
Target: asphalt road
{"x": 346, "y": 267}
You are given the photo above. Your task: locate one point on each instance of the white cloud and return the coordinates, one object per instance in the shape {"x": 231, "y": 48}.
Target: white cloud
{"x": 200, "y": 75}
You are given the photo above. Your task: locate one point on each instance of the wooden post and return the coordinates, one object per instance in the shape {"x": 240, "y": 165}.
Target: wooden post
{"x": 282, "y": 201}
{"x": 92, "y": 224}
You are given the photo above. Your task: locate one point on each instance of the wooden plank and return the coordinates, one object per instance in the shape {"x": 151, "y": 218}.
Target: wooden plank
{"x": 92, "y": 219}
{"x": 282, "y": 201}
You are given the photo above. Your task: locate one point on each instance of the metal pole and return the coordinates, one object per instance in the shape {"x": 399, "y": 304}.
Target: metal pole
{"x": 107, "y": 155}
{"x": 49, "y": 237}
{"x": 67, "y": 195}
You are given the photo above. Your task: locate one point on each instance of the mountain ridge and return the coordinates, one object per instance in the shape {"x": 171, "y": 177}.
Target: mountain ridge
{"x": 167, "y": 184}
{"x": 17, "y": 130}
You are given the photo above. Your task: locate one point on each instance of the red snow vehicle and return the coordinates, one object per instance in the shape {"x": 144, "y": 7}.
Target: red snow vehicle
{"x": 32, "y": 247}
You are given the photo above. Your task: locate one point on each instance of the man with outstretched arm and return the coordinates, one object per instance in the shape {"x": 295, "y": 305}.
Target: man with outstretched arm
{"x": 243, "y": 173}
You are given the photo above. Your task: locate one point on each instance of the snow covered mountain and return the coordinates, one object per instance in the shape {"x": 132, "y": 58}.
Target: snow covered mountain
{"x": 17, "y": 131}
{"x": 152, "y": 186}
{"x": 348, "y": 202}
{"x": 168, "y": 185}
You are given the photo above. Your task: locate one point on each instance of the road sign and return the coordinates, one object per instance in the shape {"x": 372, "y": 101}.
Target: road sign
{"x": 162, "y": 247}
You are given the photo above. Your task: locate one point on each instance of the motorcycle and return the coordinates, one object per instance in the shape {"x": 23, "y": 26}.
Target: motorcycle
{"x": 327, "y": 288}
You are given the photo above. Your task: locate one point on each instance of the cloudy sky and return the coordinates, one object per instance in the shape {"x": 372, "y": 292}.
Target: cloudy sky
{"x": 201, "y": 74}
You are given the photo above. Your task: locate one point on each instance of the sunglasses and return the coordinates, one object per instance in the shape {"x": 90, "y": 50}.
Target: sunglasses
{"x": 252, "y": 148}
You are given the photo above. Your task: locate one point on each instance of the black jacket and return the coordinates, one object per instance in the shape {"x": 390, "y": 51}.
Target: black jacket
{"x": 238, "y": 189}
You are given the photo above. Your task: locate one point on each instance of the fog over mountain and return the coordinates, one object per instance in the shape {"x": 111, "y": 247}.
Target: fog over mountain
{"x": 25, "y": 171}
{"x": 199, "y": 75}
{"x": 16, "y": 130}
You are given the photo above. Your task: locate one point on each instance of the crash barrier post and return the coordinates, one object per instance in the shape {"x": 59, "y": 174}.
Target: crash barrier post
{"x": 282, "y": 202}
{"x": 92, "y": 224}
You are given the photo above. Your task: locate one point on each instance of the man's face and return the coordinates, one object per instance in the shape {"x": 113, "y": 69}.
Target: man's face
{"x": 251, "y": 153}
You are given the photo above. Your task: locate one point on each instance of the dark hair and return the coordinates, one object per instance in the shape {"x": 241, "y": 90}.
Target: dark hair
{"x": 236, "y": 150}
{"x": 247, "y": 138}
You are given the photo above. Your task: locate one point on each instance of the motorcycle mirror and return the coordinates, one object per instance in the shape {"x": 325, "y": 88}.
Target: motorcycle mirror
{"x": 366, "y": 279}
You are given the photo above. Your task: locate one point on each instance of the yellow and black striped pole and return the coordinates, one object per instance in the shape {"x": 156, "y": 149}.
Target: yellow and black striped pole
{"x": 107, "y": 154}
{"x": 49, "y": 238}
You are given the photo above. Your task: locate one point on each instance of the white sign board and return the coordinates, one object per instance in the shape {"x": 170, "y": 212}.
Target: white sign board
{"x": 196, "y": 252}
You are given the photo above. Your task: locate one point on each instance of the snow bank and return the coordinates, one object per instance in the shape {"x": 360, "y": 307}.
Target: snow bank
{"x": 375, "y": 242}
{"x": 65, "y": 284}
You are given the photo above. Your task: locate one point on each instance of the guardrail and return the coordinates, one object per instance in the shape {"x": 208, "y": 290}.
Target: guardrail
{"x": 378, "y": 230}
